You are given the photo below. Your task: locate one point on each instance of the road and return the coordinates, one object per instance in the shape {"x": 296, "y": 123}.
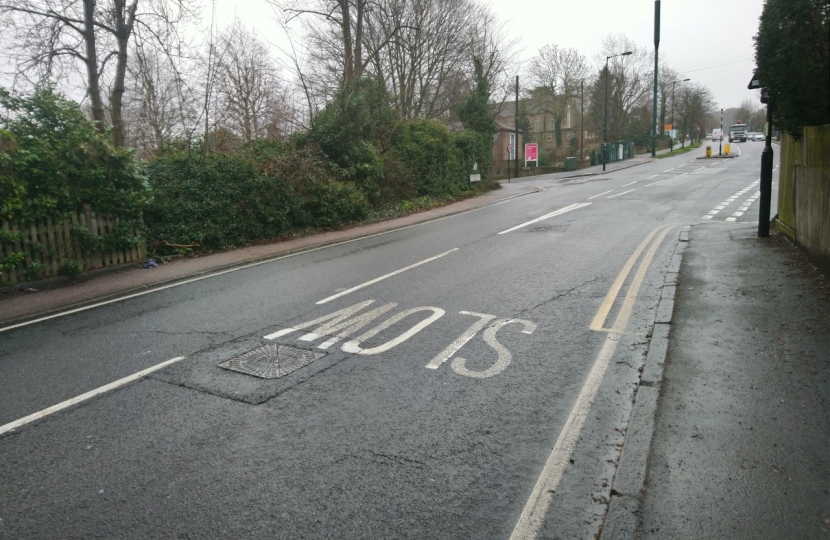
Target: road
{"x": 469, "y": 377}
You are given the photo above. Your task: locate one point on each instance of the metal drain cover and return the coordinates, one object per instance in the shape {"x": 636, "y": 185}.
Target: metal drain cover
{"x": 271, "y": 361}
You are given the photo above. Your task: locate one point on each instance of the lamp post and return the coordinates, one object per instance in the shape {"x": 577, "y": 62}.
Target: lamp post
{"x": 671, "y": 135}
{"x": 766, "y": 160}
{"x": 605, "y": 121}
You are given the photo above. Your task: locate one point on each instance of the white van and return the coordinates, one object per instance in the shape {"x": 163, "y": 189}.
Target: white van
{"x": 717, "y": 135}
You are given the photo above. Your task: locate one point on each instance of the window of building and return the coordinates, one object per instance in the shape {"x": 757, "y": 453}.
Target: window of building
{"x": 550, "y": 138}
{"x": 536, "y": 125}
{"x": 552, "y": 125}
{"x": 568, "y": 117}
{"x": 512, "y": 146}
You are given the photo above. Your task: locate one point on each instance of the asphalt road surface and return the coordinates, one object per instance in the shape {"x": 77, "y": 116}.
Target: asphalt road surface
{"x": 469, "y": 377}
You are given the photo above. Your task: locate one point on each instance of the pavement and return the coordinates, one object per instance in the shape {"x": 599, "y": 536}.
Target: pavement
{"x": 730, "y": 429}
{"x": 727, "y": 435}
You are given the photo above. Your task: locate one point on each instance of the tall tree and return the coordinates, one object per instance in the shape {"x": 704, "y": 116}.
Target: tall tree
{"x": 792, "y": 52}
{"x": 53, "y": 34}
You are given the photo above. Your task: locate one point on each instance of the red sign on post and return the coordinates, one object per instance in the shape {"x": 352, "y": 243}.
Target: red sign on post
{"x": 531, "y": 151}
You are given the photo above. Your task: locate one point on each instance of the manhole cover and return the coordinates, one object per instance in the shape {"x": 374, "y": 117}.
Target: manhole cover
{"x": 271, "y": 361}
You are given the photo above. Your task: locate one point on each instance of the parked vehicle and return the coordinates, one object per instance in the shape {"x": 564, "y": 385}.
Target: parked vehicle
{"x": 717, "y": 134}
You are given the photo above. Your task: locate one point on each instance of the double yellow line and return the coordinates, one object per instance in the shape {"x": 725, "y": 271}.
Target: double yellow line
{"x": 621, "y": 321}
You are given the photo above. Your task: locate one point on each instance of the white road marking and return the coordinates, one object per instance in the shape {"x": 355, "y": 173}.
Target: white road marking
{"x": 459, "y": 342}
{"x": 600, "y": 194}
{"x": 669, "y": 170}
{"x": 547, "y": 216}
{"x": 83, "y": 397}
{"x": 630, "y": 183}
{"x": 385, "y": 276}
{"x": 679, "y": 175}
{"x": 731, "y": 219}
{"x": 653, "y": 183}
{"x": 533, "y": 514}
{"x": 354, "y": 345}
{"x": 504, "y": 356}
{"x": 623, "y": 193}
{"x": 652, "y": 176}
{"x": 257, "y": 263}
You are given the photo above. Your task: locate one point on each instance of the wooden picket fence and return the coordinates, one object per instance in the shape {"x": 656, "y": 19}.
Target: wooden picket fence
{"x": 49, "y": 243}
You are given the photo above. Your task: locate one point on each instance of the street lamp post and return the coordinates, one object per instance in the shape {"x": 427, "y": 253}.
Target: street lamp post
{"x": 671, "y": 135}
{"x": 605, "y": 121}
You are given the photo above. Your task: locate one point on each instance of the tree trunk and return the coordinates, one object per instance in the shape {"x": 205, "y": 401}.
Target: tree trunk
{"x": 346, "y": 30}
{"x": 93, "y": 79}
{"x": 124, "y": 18}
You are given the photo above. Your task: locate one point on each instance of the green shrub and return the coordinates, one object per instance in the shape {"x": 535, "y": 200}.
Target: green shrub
{"x": 53, "y": 161}
{"x": 426, "y": 159}
{"x": 70, "y": 268}
{"x": 215, "y": 202}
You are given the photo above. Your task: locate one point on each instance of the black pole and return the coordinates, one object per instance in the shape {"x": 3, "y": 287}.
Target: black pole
{"x": 605, "y": 121}
{"x": 671, "y": 135}
{"x": 766, "y": 178}
{"x": 517, "y": 127}
{"x": 508, "y": 161}
{"x": 581, "y": 120}
{"x": 654, "y": 105}
{"x": 720, "y": 141}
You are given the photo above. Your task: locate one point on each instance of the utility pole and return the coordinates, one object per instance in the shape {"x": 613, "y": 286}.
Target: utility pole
{"x": 581, "y": 119}
{"x": 720, "y": 141}
{"x": 605, "y": 121}
{"x": 517, "y": 127}
{"x": 654, "y": 105}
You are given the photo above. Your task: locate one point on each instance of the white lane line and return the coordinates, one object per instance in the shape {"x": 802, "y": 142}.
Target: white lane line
{"x": 83, "y": 397}
{"x": 679, "y": 175}
{"x": 623, "y": 193}
{"x": 601, "y": 194}
{"x": 547, "y": 216}
{"x": 653, "y": 183}
{"x": 652, "y": 176}
{"x": 258, "y": 263}
{"x": 669, "y": 170}
{"x": 385, "y": 276}
{"x": 630, "y": 183}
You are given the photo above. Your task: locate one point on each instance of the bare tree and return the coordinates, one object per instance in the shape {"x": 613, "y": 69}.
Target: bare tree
{"x": 248, "y": 83}
{"x": 55, "y": 35}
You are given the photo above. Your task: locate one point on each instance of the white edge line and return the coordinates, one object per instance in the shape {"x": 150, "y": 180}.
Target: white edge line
{"x": 534, "y": 511}
{"x": 652, "y": 176}
{"x": 257, "y": 263}
{"x": 83, "y": 397}
{"x": 623, "y": 193}
{"x": 601, "y": 194}
{"x": 630, "y": 183}
{"x": 574, "y": 206}
{"x": 651, "y": 184}
{"x": 381, "y": 278}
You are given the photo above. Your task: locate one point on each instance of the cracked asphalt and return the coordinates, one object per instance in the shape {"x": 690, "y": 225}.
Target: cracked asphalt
{"x": 356, "y": 445}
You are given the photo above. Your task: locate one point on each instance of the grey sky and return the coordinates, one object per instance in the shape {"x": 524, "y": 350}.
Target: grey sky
{"x": 709, "y": 41}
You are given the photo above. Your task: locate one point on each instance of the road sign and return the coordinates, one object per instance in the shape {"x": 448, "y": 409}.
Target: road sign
{"x": 475, "y": 178}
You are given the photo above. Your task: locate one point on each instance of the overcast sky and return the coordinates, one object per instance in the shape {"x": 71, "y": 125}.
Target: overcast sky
{"x": 709, "y": 41}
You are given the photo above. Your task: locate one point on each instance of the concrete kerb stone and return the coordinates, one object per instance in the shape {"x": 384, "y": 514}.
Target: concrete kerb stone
{"x": 623, "y": 513}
